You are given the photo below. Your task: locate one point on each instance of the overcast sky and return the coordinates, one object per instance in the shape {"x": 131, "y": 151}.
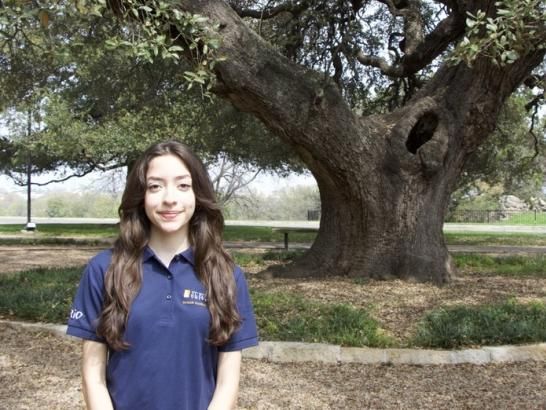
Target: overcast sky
{"x": 265, "y": 183}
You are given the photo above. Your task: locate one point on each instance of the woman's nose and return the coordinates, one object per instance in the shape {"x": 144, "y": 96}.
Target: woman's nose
{"x": 169, "y": 195}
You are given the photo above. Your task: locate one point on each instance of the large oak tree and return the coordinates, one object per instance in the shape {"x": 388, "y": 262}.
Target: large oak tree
{"x": 385, "y": 178}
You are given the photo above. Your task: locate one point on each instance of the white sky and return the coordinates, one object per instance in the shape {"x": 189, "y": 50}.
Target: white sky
{"x": 265, "y": 183}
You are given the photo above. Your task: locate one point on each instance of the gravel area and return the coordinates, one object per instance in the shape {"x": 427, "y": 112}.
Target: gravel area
{"x": 17, "y": 258}
{"x": 41, "y": 371}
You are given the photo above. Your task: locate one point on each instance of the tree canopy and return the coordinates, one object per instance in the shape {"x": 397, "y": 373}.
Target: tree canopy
{"x": 105, "y": 79}
{"x": 97, "y": 107}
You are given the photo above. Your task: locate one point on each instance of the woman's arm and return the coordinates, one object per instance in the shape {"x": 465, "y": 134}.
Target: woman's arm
{"x": 95, "y": 392}
{"x": 227, "y": 381}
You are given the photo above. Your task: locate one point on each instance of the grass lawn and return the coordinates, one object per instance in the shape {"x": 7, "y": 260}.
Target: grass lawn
{"x": 504, "y": 238}
{"x": 512, "y": 266}
{"x": 49, "y": 230}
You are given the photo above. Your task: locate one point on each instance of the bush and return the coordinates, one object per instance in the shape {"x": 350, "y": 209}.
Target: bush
{"x": 41, "y": 295}
{"x": 287, "y": 317}
{"x": 505, "y": 323}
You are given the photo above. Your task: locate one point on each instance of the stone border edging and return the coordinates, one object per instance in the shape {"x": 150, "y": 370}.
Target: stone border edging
{"x": 294, "y": 352}
{"x": 325, "y": 353}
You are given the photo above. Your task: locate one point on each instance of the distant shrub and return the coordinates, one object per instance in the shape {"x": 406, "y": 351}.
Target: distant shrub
{"x": 505, "y": 323}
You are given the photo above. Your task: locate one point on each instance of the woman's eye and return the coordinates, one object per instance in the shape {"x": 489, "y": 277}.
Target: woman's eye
{"x": 184, "y": 187}
{"x": 154, "y": 187}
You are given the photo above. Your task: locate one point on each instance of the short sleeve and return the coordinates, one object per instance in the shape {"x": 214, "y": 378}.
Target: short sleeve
{"x": 87, "y": 305}
{"x": 247, "y": 334}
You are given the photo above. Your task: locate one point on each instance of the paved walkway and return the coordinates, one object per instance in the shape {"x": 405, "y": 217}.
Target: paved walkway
{"x": 448, "y": 227}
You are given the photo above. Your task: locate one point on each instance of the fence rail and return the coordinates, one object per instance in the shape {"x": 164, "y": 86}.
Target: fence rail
{"x": 492, "y": 216}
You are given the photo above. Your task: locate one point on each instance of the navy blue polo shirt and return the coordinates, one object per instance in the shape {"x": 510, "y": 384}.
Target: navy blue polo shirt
{"x": 169, "y": 364}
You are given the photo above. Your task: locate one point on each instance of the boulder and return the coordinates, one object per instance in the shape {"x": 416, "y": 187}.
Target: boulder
{"x": 538, "y": 204}
{"x": 512, "y": 203}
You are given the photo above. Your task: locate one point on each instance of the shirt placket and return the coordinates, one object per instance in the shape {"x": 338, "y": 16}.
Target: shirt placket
{"x": 168, "y": 298}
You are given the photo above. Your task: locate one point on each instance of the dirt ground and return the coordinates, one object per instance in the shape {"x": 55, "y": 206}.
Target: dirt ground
{"x": 41, "y": 371}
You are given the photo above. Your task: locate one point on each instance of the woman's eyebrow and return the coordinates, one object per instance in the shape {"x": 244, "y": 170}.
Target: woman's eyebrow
{"x": 179, "y": 177}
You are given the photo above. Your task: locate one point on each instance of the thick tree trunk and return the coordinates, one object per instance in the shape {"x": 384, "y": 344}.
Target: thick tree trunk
{"x": 380, "y": 239}
{"x": 382, "y": 214}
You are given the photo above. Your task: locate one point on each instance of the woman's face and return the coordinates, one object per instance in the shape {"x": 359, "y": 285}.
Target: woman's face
{"x": 169, "y": 201}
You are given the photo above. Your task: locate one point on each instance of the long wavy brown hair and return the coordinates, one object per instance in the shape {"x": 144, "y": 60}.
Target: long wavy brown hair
{"x": 213, "y": 264}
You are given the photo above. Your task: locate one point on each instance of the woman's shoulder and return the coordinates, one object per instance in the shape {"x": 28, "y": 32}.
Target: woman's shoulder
{"x": 101, "y": 261}
{"x": 239, "y": 275}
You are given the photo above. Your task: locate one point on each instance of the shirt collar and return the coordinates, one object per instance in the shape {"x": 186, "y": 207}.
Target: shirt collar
{"x": 186, "y": 254}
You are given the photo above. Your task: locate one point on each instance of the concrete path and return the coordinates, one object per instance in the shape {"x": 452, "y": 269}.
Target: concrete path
{"x": 291, "y": 352}
{"x": 448, "y": 227}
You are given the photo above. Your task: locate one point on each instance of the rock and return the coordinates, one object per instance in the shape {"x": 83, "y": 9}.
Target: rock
{"x": 512, "y": 203}
{"x": 538, "y": 204}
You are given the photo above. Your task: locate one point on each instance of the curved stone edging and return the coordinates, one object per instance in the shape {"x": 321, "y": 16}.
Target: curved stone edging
{"x": 294, "y": 352}
{"x": 319, "y": 352}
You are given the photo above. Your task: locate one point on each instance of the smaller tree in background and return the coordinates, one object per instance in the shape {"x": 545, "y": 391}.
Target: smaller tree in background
{"x": 513, "y": 162}
{"x": 290, "y": 203}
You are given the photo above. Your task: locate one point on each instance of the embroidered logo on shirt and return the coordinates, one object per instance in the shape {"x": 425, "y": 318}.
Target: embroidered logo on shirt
{"x": 193, "y": 297}
{"x": 75, "y": 314}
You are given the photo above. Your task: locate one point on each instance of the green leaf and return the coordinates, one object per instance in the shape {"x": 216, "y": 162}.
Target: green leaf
{"x": 200, "y": 19}
{"x": 175, "y": 48}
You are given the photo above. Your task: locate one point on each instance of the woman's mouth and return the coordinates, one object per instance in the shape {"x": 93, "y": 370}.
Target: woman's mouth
{"x": 168, "y": 215}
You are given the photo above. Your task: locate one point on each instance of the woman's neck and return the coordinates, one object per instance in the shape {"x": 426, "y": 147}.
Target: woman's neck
{"x": 167, "y": 246}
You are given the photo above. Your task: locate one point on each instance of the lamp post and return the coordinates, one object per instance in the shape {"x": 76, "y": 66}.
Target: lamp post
{"x": 30, "y": 226}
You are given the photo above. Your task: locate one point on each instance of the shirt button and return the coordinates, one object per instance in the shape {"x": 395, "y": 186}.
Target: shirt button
{"x": 169, "y": 277}
{"x": 169, "y": 297}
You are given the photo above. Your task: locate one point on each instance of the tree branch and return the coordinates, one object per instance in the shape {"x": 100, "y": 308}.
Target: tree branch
{"x": 291, "y": 7}
{"x": 392, "y": 8}
{"x": 435, "y": 43}
{"x": 378, "y": 62}
{"x": 20, "y": 182}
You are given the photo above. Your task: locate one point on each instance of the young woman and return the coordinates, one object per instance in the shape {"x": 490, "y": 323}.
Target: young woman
{"x": 164, "y": 314}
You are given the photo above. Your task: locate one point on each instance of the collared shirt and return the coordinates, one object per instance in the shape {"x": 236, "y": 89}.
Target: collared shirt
{"x": 169, "y": 364}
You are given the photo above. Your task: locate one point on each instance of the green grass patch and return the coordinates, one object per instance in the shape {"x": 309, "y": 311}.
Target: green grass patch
{"x": 282, "y": 256}
{"x": 506, "y": 323}
{"x": 264, "y": 234}
{"x": 524, "y": 218}
{"x": 39, "y": 295}
{"x": 91, "y": 230}
{"x": 248, "y": 233}
{"x": 514, "y": 266}
{"x": 246, "y": 259}
{"x": 504, "y": 238}
{"x": 287, "y": 317}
